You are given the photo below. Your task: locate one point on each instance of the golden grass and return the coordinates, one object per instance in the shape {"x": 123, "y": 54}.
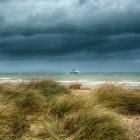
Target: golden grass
{"x": 75, "y": 86}
{"x": 45, "y": 110}
{"x": 120, "y": 99}
{"x": 98, "y": 127}
{"x": 31, "y": 103}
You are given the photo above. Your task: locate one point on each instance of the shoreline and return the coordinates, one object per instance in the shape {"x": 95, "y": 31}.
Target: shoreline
{"x": 94, "y": 84}
{"x": 85, "y": 84}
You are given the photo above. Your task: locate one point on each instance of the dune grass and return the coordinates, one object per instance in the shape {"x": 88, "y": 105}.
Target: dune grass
{"x": 19, "y": 124}
{"x": 75, "y": 86}
{"x": 45, "y": 87}
{"x": 31, "y": 103}
{"x": 64, "y": 105}
{"x": 122, "y": 100}
{"x": 98, "y": 126}
{"x": 46, "y": 110}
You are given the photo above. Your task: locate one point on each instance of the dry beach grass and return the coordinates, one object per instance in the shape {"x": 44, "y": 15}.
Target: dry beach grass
{"x": 45, "y": 110}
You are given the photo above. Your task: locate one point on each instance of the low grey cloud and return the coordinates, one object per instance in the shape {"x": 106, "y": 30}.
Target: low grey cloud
{"x": 51, "y": 16}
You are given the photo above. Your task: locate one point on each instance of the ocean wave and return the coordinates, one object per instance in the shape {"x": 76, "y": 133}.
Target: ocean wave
{"x": 83, "y": 82}
{"x": 12, "y": 80}
{"x": 6, "y": 78}
{"x": 97, "y": 83}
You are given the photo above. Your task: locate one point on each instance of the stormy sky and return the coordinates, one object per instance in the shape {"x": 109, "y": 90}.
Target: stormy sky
{"x": 54, "y": 35}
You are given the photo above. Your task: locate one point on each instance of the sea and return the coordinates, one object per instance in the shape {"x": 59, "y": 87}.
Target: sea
{"x": 86, "y": 79}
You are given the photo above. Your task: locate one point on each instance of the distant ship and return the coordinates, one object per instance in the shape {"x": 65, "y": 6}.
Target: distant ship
{"x": 74, "y": 71}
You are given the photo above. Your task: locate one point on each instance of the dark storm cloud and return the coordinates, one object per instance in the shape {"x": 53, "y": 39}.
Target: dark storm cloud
{"x": 69, "y": 45}
{"x": 69, "y": 29}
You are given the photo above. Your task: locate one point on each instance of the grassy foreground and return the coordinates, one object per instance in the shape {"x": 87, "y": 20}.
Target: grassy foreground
{"x": 44, "y": 110}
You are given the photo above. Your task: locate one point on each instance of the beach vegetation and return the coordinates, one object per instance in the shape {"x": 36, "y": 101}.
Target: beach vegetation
{"x": 105, "y": 113}
{"x": 118, "y": 98}
{"x": 75, "y": 86}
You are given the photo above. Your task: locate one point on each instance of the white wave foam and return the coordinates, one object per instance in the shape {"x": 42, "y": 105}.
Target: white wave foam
{"x": 97, "y": 83}
{"x": 83, "y": 82}
{"x": 11, "y": 80}
{"x": 5, "y": 78}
